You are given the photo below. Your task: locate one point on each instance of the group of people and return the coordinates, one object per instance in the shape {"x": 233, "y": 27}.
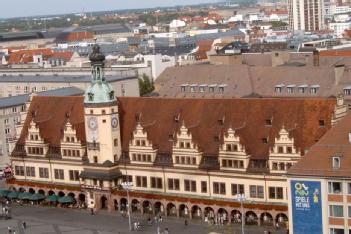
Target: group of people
{"x": 216, "y": 219}
{"x": 5, "y": 208}
{"x": 10, "y": 231}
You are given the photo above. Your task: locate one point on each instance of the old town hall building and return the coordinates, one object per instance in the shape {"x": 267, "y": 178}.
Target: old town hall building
{"x": 185, "y": 157}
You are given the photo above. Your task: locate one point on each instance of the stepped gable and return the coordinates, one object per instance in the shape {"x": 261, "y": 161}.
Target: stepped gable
{"x": 248, "y": 116}
{"x": 206, "y": 119}
{"x": 49, "y": 114}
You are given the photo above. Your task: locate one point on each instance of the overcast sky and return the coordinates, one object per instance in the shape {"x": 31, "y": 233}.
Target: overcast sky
{"x": 18, "y": 8}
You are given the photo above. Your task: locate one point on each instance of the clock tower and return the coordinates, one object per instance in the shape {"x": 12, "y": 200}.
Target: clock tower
{"x": 101, "y": 115}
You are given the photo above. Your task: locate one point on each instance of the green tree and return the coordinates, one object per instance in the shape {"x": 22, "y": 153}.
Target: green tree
{"x": 146, "y": 85}
{"x": 277, "y": 24}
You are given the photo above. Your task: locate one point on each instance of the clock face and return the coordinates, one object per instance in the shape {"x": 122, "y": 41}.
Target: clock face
{"x": 92, "y": 123}
{"x": 114, "y": 122}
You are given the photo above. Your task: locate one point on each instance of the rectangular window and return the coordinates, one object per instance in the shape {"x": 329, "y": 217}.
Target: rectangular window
{"x": 156, "y": 182}
{"x": 43, "y": 172}
{"x": 237, "y": 189}
{"x": 141, "y": 181}
{"x": 334, "y": 187}
{"x": 30, "y": 171}
{"x": 336, "y": 211}
{"x": 348, "y": 188}
{"x": 337, "y": 231}
{"x": 187, "y": 185}
{"x": 203, "y": 186}
{"x": 19, "y": 170}
{"x": 59, "y": 174}
{"x": 219, "y": 188}
{"x": 173, "y": 184}
{"x": 74, "y": 175}
{"x": 256, "y": 191}
{"x": 275, "y": 192}
{"x": 190, "y": 185}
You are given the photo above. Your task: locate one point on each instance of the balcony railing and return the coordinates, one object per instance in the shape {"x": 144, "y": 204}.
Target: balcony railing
{"x": 93, "y": 146}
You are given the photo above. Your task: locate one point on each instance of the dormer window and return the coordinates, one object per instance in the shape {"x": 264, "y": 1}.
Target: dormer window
{"x": 347, "y": 91}
{"x": 91, "y": 97}
{"x": 290, "y": 88}
{"x": 336, "y": 162}
{"x": 302, "y": 89}
{"x": 268, "y": 122}
{"x": 181, "y": 144}
{"x": 264, "y": 140}
{"x": 221, "y": 88}
{"x": 183, "y": 88}
{"x": 111, "y": 95}
{"x": 314, "y": 89}
{"x": 202, "y": 88}
{"x": 279, "y": 88}
{"x": 321, "y": 123}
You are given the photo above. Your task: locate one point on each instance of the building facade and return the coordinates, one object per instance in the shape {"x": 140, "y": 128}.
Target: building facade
{"x": 10, "y": 117}
{"x": 124, "y": 84}
{"x": 320, "y": 185}
{"x": 306, "y": 15}
{"x": 185, "y": 157}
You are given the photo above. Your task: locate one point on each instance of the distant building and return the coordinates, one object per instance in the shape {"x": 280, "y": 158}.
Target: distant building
{"x": 125, "y": 83}
{"x": 306, "y": 15}
{"x": 235, "y": 79}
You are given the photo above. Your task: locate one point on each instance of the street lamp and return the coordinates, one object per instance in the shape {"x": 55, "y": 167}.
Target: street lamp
{"x": 127, "y": 186}
{"x": 241, "y": 198}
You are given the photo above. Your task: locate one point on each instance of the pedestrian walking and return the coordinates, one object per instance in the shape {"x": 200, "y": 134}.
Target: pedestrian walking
{"x": 135, "y": 226}
{"x": 160, "y": 219}
{"x": 166, "y": 231}
{"x": 9, "y": 230}
{"x": 186, "y": 222}
{"x": 24, "y": 225}
{"x": 92, "y": 211}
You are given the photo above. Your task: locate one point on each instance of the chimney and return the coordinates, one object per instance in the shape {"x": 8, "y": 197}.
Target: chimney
{"x": 339, "y": 72}
{"x": 316, "y": 58}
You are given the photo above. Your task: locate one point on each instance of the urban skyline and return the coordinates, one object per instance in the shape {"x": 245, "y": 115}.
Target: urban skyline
{"x": 38, "y": 7}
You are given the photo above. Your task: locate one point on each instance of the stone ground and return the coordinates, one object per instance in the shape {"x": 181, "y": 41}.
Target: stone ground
{"x": 48, "y": 220}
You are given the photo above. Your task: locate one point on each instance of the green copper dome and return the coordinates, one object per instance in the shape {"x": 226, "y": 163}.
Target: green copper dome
{"x": 99, "y": 90}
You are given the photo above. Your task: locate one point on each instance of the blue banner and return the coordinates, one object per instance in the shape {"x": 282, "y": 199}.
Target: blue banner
{"x": 306, "y": 207}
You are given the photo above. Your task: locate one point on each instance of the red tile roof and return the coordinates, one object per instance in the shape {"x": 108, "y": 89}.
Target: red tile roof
{"x": 65, "y": 55}
{"x": 50, "y": 117}
{"x": 26, "y": 56}
{"x": 79, "y": 36}
{"x": 335, "y": 53}
{"x": 201, "y": 116}
{"x": 318, "y": 161}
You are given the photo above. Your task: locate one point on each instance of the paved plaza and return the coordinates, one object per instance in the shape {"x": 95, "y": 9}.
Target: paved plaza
{"x": 47, "y": 220}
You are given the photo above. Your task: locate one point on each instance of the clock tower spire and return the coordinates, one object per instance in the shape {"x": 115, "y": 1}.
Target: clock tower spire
{"x": 101, "y": 114}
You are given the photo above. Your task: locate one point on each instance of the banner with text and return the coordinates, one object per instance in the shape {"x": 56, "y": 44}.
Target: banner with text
{"x": 306, "y": 207}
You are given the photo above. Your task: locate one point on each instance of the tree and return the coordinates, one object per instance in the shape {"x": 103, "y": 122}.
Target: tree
{"x": 278, "y": 24}
{"x": 146, "y": 85}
